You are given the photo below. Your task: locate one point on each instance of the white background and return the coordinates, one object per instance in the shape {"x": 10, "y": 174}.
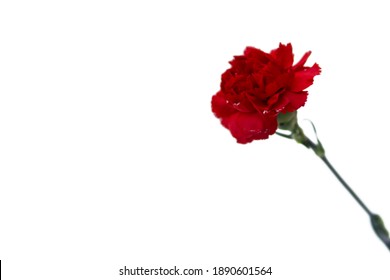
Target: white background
{"x": 110, "y": 155}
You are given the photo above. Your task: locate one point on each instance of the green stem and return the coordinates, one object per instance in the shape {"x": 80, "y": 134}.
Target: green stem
{"x": 341, "y": 180}
{"x": 376, "y": 220}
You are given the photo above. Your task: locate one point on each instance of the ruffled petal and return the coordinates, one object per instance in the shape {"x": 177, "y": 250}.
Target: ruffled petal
{"x": 295, "y": 100}
{"x": 239, "y": 64}
{"x": 302, "y": 62}
{"x": 248, "y": 127}
{"x": 256, "y": 59}
{"x": 279, "y": 104}
{"x": 220, "y": 106}
{"x": 252, "y": 53}
{"x": 258, "y": 100}
{"x": 283, "y": 55}
{"x": 278, "y": 84}
{"x": 303, "y": 79}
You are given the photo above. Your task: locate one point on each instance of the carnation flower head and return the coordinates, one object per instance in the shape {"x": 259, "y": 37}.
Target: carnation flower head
{"x": 258, "y": 87}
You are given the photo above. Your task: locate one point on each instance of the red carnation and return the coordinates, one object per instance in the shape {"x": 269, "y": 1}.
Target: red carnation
{"x": 257, "y": 87}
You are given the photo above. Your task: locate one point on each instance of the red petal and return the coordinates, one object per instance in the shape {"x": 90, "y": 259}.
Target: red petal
{"x": 295, "y": 100}
{"x": 303, "y": 60}
{"x": 239, "y": 64}
{"x": 278, "y": 84}
{"x": 220, "y": 106}
{"x": 253, "y": 53}
{"x": 256, "y": 59}
{"x": 248, "y": 127}
{"x": 283, "y": 55}
{"x": 303, "y": 79}
{"x": 279, "y": 104}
